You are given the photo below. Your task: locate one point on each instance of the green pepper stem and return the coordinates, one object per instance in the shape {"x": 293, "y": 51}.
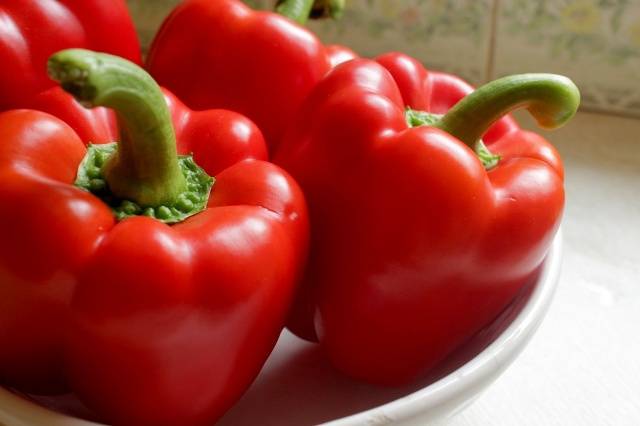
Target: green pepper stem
{"x": 301, "y": 10}
{"x": 551, "y": 99}
{"x": 297, "y": 10}
{"x": 327, "y": 8}
{"x": 145, "y": 167}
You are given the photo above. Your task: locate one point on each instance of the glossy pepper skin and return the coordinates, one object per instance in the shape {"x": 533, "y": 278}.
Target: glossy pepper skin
{"x": 414, "y": 245}
{"x": 149, "y": 324}
{"x": 222, "y": 54}
{"x": 32, "y": 30}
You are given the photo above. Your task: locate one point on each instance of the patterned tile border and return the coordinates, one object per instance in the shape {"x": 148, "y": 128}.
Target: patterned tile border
{"x": 595, "y": 42}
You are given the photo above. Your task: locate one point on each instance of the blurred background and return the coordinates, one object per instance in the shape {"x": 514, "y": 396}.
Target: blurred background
{"x": 595, "y": 42}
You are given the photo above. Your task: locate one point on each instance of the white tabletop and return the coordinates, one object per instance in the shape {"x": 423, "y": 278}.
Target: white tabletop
{"x": 583, "y": 365}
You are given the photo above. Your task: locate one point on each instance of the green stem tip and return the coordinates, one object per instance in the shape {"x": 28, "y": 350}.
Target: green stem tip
{"x": 145, "y": 169}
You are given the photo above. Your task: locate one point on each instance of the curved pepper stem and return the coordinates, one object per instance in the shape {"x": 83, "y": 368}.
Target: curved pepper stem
{"x": 145, "y": 167}
{"x": 142, "y": 174}
{"x": 301, "y": 10}
{"x": 551, "y": 99}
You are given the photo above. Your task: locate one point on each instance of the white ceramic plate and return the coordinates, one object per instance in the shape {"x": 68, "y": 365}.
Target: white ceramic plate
{"x": 298, "y": 387}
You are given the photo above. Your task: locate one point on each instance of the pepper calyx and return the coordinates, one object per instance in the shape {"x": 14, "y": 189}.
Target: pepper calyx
{"x": 416, "y": 118}
{"x": 191, "y": 201}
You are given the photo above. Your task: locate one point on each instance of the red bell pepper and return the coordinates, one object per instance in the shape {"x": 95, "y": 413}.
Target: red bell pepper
{"x": 301, "y": 10}
{"x": 338, "y": 54}
{"x": 415, "y": 245}
{"x": 221, "y": 54}
{"x": 32, "y": 30}
{"x": 150, "y": 324}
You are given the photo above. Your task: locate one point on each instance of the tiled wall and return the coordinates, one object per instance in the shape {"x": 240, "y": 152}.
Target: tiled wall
{"x": 595, "y": 42}
{"x": 148, "y": 15}
{"x": 451, "y": 35}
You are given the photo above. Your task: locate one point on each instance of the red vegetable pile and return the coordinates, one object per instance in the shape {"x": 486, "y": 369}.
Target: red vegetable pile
{"x": 159, "y": 228}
